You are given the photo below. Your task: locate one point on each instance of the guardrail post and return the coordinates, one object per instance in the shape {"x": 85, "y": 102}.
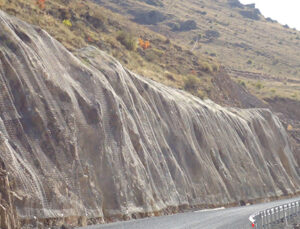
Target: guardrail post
{"x": 277, "y": 214}
{"x": 267, "y": 219}
{"x": 286, "y": 223}
{"x": 259, "y": 223}
{"x": 270, "y": 217}
{"x": 264, "y": 218}
{"x": 293, "y": 209}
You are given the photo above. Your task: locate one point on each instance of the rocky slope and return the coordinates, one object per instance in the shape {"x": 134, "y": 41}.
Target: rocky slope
{"x": 88, "y": 141}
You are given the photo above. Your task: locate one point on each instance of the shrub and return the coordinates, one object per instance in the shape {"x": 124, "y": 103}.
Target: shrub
{"x": 96, "y": 19}
{"x": 206, "y": 67}
{"x": 127, "y": 40}
{"x": 259, "y": 85}
{"x": 67, "y": 22}
{"x": 201, "y": 94}
{"x": 170, "y": 76}
{"x": 216, "y": 67}
{"x": 289, "y": 127}
{"x": 192, "y": 83}
{"x": 144, "y": 44}
{"x": 41, "y": 4}
{"x": 151, "y": 56}
{"x": 242, "y": 83}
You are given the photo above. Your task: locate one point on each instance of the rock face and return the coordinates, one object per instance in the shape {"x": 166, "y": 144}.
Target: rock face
{"x": 149, "y": 17}
{"x": 8, "y": 216}
{"x": 85, "y": 140}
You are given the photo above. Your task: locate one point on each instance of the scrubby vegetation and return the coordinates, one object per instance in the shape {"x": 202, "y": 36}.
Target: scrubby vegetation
{"x": 237, "y": 35}
{"x": 196, "y": 52}
{"x": 128, "y": 40}
{"x": 191, "y": 83}
{"x": 80, "y": 23}
{"x": 183, "y": 25}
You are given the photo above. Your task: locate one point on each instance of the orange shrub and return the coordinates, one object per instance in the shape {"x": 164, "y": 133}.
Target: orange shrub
{"x": 41, "y": 3}
{"x": 141, "y": 42}
{"x": 144, "y": 44}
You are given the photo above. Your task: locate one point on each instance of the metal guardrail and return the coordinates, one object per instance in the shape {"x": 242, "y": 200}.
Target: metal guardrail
{"x": 273, "y": 216}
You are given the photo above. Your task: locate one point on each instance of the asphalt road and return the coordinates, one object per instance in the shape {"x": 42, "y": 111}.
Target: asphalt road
{"x": 231, "y": 218}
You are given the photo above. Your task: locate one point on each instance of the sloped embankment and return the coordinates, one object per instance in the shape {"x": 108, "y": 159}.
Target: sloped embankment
{"x": 84, "y": 140}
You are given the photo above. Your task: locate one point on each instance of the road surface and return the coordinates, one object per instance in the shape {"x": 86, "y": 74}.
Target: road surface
{"x": 231, "y": 218}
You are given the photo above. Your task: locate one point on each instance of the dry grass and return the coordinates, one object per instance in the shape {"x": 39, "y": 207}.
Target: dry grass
{"x": 95, "y": 25}
{"x": 244, "y": 44}
{"x": 270, "y": 89}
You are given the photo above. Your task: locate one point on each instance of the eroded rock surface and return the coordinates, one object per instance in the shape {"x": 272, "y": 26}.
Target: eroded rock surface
{"x": 84, "y": 140}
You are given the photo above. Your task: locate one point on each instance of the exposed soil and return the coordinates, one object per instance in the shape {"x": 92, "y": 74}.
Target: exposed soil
{"x": 289, "y": 112}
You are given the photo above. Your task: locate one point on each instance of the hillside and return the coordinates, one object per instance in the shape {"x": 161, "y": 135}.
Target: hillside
{"x": 259, "y": 53}
{"x": 77, "y": 24}
{"x": 84, "y": 140}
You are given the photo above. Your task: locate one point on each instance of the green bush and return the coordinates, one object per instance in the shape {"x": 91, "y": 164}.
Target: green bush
{"x": 206, "y": 67}
{"x": 216, "y": 67}
{"x": 127, "y": 40}
{"x": 241, "y": 82}
{"x": 67, "y": 22}
{"x": 259, "y": 85}
{"x": 192, "y": 84}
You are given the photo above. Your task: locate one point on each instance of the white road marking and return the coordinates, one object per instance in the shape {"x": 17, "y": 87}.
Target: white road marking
{"x": 209, "y": 210}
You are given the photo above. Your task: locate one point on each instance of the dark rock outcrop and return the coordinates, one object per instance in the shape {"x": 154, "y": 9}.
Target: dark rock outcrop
{"x": 212, "y": 34}
{"x": 153, "y": 2}
{"x": 235, "y": 4}
{"x": 183, "y": 25}
{"x": 152, "y": 17}
{"x": 87, "y": 143}
{"x": 253, "y": 14}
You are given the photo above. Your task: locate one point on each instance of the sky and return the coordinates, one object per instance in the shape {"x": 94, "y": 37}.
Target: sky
{"x": 283, "y": 11}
